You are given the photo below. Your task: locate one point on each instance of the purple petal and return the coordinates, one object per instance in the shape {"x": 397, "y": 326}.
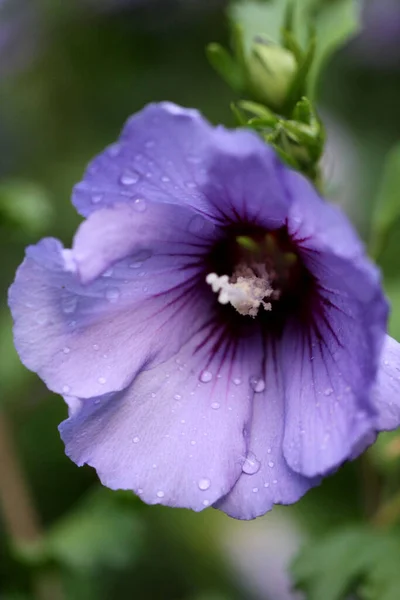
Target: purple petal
{"x": 330, "y": 363}
{"x": 171, "y": 154}
{"x": 88, "y": 340}
{"x": 386, "y": 393}
{"x": 135, "y": 230}
{"x": 175, "y": 436}
{"x": 266, "y": 478}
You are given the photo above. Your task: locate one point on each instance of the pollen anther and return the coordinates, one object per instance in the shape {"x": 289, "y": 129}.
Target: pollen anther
{"x": 247, "y": 289}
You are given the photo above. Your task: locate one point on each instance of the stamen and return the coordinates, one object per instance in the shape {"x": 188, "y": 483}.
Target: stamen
{"x": 246, "y": 290}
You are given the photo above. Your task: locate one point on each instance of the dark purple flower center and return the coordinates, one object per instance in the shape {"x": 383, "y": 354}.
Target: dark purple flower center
{"x": 272, "y": 257}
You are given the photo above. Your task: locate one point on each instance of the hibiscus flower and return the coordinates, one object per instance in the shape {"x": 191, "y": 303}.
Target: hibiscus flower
{"x": 217, "y": 329}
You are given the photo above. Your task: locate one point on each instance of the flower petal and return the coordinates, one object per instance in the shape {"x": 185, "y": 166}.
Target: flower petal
{"x": 266, "y": 479}
{"x": 330, "y": 361}
{"x": 386, "y": 392}
{"x": 175, "y": 436}
{"x": 87, "y": 340}
{"x": 171, "y": 154}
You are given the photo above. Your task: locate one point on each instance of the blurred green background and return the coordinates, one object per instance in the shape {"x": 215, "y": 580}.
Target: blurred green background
{"x": 71, "y": 72}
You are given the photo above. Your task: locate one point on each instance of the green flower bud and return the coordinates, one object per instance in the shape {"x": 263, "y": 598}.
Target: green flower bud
{"x": 271, "y": 70}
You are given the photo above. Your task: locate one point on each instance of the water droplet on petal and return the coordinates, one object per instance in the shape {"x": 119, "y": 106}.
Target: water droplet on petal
{"x": 139, "y": 205}
{"x": 271, "y": 464}
{"x": 66, "y": 350}
{"x": 193, "y": 443}
{"x": 66, "y": 389}
{"x": 205, "y": 376}
{"x": 251, "y": 465}
{"x": 108, "y": 273}
{"x": 237, "y": 381}
{"x": 95, "y": 346}
{"x": 177, "y": 397}
{"x": 165, "y": 179}
{"x": 206, "y": 503}
{"x": 255, "y": 490}
{"x": 136, "y": 440}
{"x": 258, "y": 385}
{"x": 192, "y": 158}
{"x": 215, "y": 405}
{"x": 150, "y": 143}
{"x": 204, "y": 484}
{"x": 129, "y": 178}
{"x": 96, "y": 198}
{"x": 102, "y": 380}
{"x": 196, "y": 224}
{"x": 112, "y": 294}
{"x": 114, "y": 149}
{"x": 69, "y": 304}
{"x": 160, "y": 494}
{"x": 328, "y": 391}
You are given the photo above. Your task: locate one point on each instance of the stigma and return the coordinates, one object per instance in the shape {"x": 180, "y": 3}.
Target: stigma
{"x": 248, "y": 290}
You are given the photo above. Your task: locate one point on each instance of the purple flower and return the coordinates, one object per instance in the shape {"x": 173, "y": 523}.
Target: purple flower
{"x": 216, "y": 329}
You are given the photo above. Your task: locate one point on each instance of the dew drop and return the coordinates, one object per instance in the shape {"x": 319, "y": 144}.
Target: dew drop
{"x": 205, "y": 376}
{"x": 328, "y": 392}
{"x": 196, "y": 224}
{"x": 251, "y": 465}
{"x": 266, "y": 484}
{"x": 96, "y": 198}
{"x": 193, "y": 159}
{"x": 271, "y": 464}
{"x": 386, "y": 362}
{"x": 41, "y": 317}
{"x": 258, "y": 385}
{"x": 66, "y": 350}
{"x": 177, "y": 397}
{"x": 204, "y": 484}
{"x": 69, "y": 304}
{"x": 129, "y": 178}
{"x": 237, "y": 381}
{"x": 102, "y": 380}
{"x": 215, "y": 405}
{"x": 255, "y": 490}
{"x": 193, "y": 443}
{"x": 150, "y": 144}
{"x": 66, "y": 389}
{"x": 165, "y": 179}
{"x": 139, "y": 205}
{"x": 206, "y": 503}
{"x": 114, "y": 149}
{"x": 112, "y": 294}
{"x": 95, "y": 346}
{"x": 160, "y": 494}
{"x": 108, "y": 273}
{"x": 136, "y": 440}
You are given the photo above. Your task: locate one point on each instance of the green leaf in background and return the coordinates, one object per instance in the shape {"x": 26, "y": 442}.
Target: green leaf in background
{"x": 361, "y": 560}
{"x": 387, "y": 207}
{"x": 24, "y": 205}
{"x": 336, "y": 22}
{"x": 101, "y": 531}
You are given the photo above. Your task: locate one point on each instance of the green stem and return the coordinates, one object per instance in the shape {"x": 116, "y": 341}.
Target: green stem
{"x": 19, "y": 515}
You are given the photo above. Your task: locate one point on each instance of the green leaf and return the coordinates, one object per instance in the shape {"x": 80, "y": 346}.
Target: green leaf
{"x": 387, "y": 208}
{"x": 101, "y": 531}
{"x": 356, "y": 559}
{"x": 24, "y": 205}
{"x": 259, "y": 18}
{"x": 336, "y": 22}
{"x": 225, "y": 65}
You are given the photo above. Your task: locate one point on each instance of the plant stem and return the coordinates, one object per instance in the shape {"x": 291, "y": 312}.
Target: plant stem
{"x": 19, "y": 515}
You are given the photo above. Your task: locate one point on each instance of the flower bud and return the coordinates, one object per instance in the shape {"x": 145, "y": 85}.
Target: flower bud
{"x": 271, "y": 70}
